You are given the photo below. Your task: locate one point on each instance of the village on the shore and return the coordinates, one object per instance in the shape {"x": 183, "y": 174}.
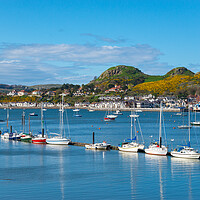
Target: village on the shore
{"x": 105, "y": 102}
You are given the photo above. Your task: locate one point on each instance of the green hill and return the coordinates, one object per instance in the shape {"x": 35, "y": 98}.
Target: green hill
{"x": 119, "y": 75}
{"x": 128, "y": 77}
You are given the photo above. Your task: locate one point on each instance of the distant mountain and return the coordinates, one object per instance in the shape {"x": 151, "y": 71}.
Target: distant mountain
{"x": 45, "y": 86}
{"x": 7, "y": 88}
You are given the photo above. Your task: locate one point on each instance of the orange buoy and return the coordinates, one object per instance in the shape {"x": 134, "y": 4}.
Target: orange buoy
{"x": 174, "y": 127}
{"x": 92, "y": 125}
{"x": 99, "y": 128}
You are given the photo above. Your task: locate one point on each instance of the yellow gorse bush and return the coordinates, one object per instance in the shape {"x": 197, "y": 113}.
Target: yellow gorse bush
{"x": 170, "y": 84}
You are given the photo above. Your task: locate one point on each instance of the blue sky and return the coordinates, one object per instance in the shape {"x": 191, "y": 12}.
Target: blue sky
{"x": 71, "y": 41}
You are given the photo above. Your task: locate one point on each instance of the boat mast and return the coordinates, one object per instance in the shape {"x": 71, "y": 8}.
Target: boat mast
{"x": 189, "y": 124}
{"x": 131, "y": 126}
{"x": 135, "y": 126}
{"x": 23, "y": 121}
{"x": 42, "y": 120}
{"x": 62, "y": 116}
{"x": 160, "y": 127}
{"x": 7, "y": 116}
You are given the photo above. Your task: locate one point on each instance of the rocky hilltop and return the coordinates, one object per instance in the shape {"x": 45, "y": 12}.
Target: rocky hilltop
{"x": 121, "y": 71}
{"x": 179, "y": 71}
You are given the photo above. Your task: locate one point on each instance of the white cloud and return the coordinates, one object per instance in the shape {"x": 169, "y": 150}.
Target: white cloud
{"x": 60, "y": 62}
{"x": 8, "y": 61}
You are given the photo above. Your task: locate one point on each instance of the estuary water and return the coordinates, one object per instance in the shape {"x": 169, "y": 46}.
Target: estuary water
{"x": 30, "y": 171}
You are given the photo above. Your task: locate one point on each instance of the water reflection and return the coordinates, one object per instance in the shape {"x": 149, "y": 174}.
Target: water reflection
{"x": 187, "y": 166}
{"x": 60, "y": 149}
{"x": 158, "y": 162}
{"x": 132, "y": 160}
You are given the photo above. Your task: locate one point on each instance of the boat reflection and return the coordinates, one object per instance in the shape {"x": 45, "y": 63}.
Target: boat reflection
{"x": 158, "y": 162}
{"x": 189, "y": 167}
{"x": 130, "y": 160}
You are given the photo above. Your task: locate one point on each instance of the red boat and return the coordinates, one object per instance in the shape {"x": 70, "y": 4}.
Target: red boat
{"x": 107, "y": 119}
{"x": 39, "y": 140}
{"x": 110, "y": 117}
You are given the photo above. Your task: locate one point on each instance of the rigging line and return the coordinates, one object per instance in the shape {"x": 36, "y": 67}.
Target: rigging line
{"x": 164, "y": 131}
{"x": 196, "y": 138}
{"x": 67, "y": 123}
{"x": 141, "y": 131}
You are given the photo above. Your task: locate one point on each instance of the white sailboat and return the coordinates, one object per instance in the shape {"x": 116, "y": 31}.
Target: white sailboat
{"x": 186, "y": 151}
{"x": 118, "y": 112}
{"x": 133, "y": 145}
{"x": 60, "y": 139}
{"x": 41, "y": 138}
{"x": 6, "y": 134}
{"x": 157, "y": 148}
{"x": 184, "y": 126}
{"x": 76, "y": 112}
{"x": 195, "y": 123}
{"x": 109, "y": 116}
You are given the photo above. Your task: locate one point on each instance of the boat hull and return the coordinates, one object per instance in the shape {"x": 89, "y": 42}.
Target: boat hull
{"x": 184, "y": 127}
{"x": 26, "y": 139}
{"x": 157, "y": 151}
{"x": 39, "y": 140}
{"x": 61, "y": 141}
{"x": 185, "y": 155}
{"x": 129, "y": 149}
{"x": 98, "y": 146}
{"x": 195, "y": 123}
{"x": 106, "y": 119}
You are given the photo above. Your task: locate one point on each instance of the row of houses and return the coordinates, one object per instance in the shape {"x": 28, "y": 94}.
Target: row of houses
{"x": 34, "y": 93}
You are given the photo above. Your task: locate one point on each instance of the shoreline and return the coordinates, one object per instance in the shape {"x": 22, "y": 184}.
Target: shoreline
{"x": 103, "y": 109}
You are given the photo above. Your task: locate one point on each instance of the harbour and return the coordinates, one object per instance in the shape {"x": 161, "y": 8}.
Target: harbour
{"x": 58, "y": 171}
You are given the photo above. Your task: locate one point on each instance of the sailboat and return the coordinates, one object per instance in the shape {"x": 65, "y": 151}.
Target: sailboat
{"x": 109, "y": 116}
{"x": 195, "y": 123}
{"x": 157, "y": 148}
{"x": 6, "y": 134}
{"x": 132, "y": 145}
{"x": 25, "y": 137}
{"x": 76, "y": 112}
{"x": 40, "y": 139}
{"x": 60, "y": 139}
{"x": 118, "y": 112}
{"x": 184, "y": 126}
{"x": 186, "y": 151}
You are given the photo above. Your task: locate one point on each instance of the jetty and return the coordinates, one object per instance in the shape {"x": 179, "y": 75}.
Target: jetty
{"x": 80, "y": 144}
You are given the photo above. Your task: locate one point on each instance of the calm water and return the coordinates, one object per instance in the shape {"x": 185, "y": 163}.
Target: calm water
{"x": 29, "y": 171}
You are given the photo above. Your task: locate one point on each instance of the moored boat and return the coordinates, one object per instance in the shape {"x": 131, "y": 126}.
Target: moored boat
{"x": 118, "y": 112}
{"x": 98, "y": 146}
{"x": 25, "y": 137}
{"x": 39, "y": 140}
{"x": 157, "y": 148}
{"x": 132, "y": 145}
{"x": 186, "y": 151}
{"x": 110, "y": 117}
{"x": 184, "y": 127}
{"x": 60, "y": 139}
